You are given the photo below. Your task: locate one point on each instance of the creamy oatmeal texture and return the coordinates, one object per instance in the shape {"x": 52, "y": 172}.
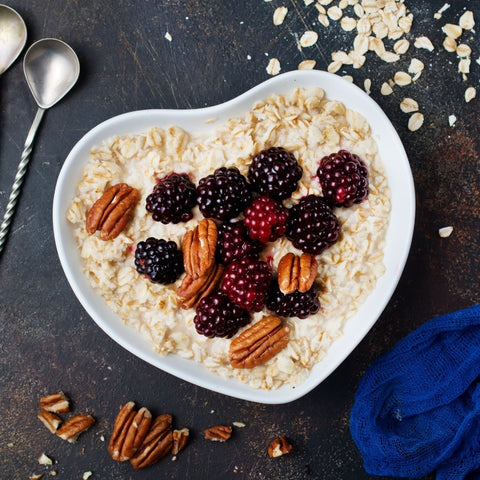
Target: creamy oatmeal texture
{"x": 305, "y": 123}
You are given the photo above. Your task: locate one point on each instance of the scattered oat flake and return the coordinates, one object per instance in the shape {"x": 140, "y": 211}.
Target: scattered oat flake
{"x": 307, "y": 65}
{"x": 309, "y": 38}
{"x": 87, "y": 475}
{"x": 334, "y": 67}
{"x": 367, "y": 85}
{"x": 463, "y": 50}
{"x": 325, "y": 2}
{"x": 335, "y": 13}
{"x": 449, "y": 44}
{"x": 308, "y": 2}
{"x": 279, "y": 15}
{"x": 10, "y": 445}
{"x": 44, "y": 460}
{"x": 168, "y": 37}
{"x": 401, "y": 46}
{"x": 451, "y": 30}
{"x": 438, "y": 15}
{"x": 424, "y": 42}
{"x": 323, "y": 19}
{"x": 470, "y": 94}
{"x": 415, "y": 66}
{"x": 464, "y": 65}
{"x": 35, "y": 477}
{"x": 402, "y": 79}
{"x": 53, "y": 473}
{"x": 386, "y": 89}
{"x": 348, "y": 24}
{"x": 273, "y": 67}
{"x": 415, "y": 121}
{"x": 348, "y": 78}
{"x": 451, "y": 120}
{"x": 390, "y": 57}
{"x": 445, "y": 232}
{"x": 466, "y": 20}
{"x": 239, "y": 424}
{"x": 409, "y": 105}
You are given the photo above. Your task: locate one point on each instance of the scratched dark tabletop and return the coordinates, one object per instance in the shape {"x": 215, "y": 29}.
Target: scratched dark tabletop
{"x": 219, "y": 49}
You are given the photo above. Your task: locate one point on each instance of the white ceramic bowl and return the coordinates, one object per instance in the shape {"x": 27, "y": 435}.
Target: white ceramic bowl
{"x": 398, "y": 240}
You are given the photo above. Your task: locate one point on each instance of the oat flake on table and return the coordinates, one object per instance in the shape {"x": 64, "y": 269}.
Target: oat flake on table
{"x": 305, "y": 123}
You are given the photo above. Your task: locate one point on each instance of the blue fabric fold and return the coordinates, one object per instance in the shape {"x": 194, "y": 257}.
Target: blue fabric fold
{"x": 417, "y": 408}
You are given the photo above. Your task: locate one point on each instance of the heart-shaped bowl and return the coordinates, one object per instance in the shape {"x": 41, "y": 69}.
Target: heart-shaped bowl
{"x": 398, "y": 237}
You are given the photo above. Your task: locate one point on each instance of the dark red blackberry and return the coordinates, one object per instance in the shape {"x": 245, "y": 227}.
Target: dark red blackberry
{"x": 172, "y": 199}
{"x": 343, "y": 178}
{"x": 266, "y": 219}
{"x": 274, "y": 172}
{"x": 312, "y": 226}
{"x": 159, "y": 259}
{"x": 246, "y": 282}
{"x": 233, "y": 243}
{"x": 224, "y": 194}
{"x": 217, "y": 316}
{"x": 294, "y": 304}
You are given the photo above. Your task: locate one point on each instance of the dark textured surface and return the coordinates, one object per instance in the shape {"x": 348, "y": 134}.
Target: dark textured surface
{"x": 48, "y": 342}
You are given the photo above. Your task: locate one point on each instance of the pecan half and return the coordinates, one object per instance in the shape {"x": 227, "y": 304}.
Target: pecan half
{"x": 192, "y": 290}
{"x": 50, "y": 420}
{"x": 297, "y": 273}
{"x": 120, "y": 432}
{"x": 74, "y": 426}
{"x": 180, "y": 439}
{"x": 112, "y": 211}
{"x": 156, "y": 444}
{"x": 279, "y": 447}
{"x": 56, "y": 403}
{"x": 218, "y": 433}
{"x": 199, "y": 248}
{"x": 259, "y": 343}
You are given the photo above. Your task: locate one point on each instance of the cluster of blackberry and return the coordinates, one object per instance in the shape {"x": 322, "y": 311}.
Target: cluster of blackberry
{"x": 248, "y": 284}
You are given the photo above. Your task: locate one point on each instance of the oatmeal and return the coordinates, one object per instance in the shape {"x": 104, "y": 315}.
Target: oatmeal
{"x": 303, "y": 122}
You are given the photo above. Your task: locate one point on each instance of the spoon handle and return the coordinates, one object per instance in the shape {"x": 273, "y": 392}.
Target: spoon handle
{"x": 17, "y": 184}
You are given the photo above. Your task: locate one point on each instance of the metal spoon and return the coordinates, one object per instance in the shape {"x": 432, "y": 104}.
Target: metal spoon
{"x": 13, "y": 36}
{"x": 51, "y": 68}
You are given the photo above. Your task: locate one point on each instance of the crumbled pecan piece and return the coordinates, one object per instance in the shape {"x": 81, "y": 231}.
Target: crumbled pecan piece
{"x": 259, "y": 343}
{"x": 56, "y": 403}
{"x": 50, "y": 420}
{"x": 279, "y": 447}
{"x": 199, "y": 248}
{"x": 192, "y": 290}
{"x": 74, "y": 426}
{"x": 218, "y": 433}
{"x": 156, "y": 444}
{"x": 112, "y": 211}
{"x": 180, "y": 439}
{"x": 297, "y": 273}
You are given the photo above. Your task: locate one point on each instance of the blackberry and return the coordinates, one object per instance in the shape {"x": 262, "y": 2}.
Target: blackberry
{"x": 172, "y": 199}
{"x": 224, "y": 194}
{"x": 233, "y": 243}
{"x": 159, "y": 259}
{"x": 312, "y": 226}
{"x": 343, "y": 178}
{"x": 217, "y": 316}
{"x": 246, "y": 282}
{"x": 275, "y": 172}
{"x": 294, "y": 304}
{"x": 266, "y": 219}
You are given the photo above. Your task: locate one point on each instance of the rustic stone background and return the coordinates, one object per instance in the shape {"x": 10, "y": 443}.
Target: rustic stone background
{"x": 48, "y": 342}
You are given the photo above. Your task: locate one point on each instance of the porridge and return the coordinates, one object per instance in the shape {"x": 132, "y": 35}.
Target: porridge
{"x": 308, "y": 125}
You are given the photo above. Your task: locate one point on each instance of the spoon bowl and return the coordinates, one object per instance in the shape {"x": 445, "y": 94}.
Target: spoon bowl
{"x": 13, "y": 36}
{"x": 51, "y": 69}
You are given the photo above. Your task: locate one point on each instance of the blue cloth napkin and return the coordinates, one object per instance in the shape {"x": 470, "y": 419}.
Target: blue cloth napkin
{"x": 417, "y": 408}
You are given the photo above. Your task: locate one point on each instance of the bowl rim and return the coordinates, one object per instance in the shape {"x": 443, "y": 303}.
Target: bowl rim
{"x": 400, "y": 229}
